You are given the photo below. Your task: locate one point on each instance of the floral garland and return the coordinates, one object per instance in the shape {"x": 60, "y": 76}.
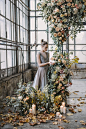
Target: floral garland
{"x": 62, "y": 16}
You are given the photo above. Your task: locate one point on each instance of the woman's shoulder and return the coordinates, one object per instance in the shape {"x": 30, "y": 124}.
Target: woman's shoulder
{"x": 38, "y": 53}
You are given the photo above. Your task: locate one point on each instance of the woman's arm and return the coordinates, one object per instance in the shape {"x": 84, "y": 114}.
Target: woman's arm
{"x": 39, "y": 61}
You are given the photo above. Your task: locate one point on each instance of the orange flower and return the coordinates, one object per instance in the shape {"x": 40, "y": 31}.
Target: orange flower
{"x": 68, "y": 4}
{"x": 57, "y": 29}
{"x": 55, "y": 34}
{"x": 59, "y": 33}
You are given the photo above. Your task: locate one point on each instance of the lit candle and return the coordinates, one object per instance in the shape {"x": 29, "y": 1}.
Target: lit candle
{"x": 57, "y": 113}
{"x": 60, "y": 116}
{"x": 61, "y": 109}
{"x": 30, "y": 110}
{"x": 34, "y": 109}
{"x": 63, "y": 104}
{"x": 64, "y": 110}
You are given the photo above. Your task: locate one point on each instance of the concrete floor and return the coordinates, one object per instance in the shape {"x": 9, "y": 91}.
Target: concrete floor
{"x": 78, "y": 89}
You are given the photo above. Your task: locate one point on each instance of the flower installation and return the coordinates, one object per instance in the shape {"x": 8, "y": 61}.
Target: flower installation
{"x": 63, "y": 16}
{"x": 59, "y": 77}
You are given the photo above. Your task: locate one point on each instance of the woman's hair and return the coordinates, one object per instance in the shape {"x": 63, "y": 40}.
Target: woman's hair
{"x": 43, "y": 42}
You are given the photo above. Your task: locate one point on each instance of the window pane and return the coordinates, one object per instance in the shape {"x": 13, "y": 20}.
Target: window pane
{"x": 32, "y": 58}
{"x": 81, "y": 56}
{"x": 41, "y": 24}
{"x": 8, "y": 9}
{"x": 32, "y": 13}
{"x": 9, "y": 58}
{"x": 3, "y": 59}
{"x": 71, "y": 47}
{"x": 26, "y": 35}
{"x": 2, "y": 46}
{"x": 2, "y": 27}
{"x": 38, "y": 13}
{"x": 80, "y": 47}
{"x": 21, "y": 19}
{"x": 32, "y": 23}
{"x": 2, "y": 7}
{"x": 71, "y": 41}
{"x": 21, "y": 34}
{"x": 8, "y": 29}
{"x": 39, "y": 47}
{"x": 13, "y": 58}
{"x": 41, "y": 35}
{"x": 32, "y": 4}
{"x": 32, "y": 37}
{"x": 26, "y": 22}
{"x": 71, "y": 56}
{"x": 64, "y": 47}
{"x": 81, "y": 38}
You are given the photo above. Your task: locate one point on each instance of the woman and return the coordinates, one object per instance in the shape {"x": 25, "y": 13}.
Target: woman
{"x": 43, "y": 63}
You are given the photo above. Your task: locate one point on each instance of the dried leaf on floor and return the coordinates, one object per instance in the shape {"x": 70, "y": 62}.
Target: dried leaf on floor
{"x": 79, "y": 110}
{"x": 69, "y": 114}
{"x": 75, "y": 93}
{"x": 72, "y": 110}
{"x": 66, "y": 121}
{"x": 82, "y": 102}
{"x": 32, "y": 124}
{"x": 20, "y": 124}
{"x": 79, "y": 99}
{"x": 81, "y": 121}
{"x": 15, "y": 128}
{"x": 75, "y": 120}
{"x": 55, "y": 123}
{"x": 78, "y": 105}
{"x": 60, "y": 127}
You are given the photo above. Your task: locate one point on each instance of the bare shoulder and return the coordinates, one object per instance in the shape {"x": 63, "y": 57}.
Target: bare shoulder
{"x": 38, "y": 53}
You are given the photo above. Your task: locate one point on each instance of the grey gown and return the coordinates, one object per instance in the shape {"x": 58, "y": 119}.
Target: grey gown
{"x": 40, "y": 79}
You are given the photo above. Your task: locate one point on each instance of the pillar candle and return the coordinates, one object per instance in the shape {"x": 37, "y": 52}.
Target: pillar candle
{"x": 64, "y": 110}
{"x": 63, "y": 104}
{"x": 57, "y": 113}
{"x": 30, "y": 110}
{"x": 34, "y": 109}
{"x": 60, "y": 116}
{"x": 61, "y": 109}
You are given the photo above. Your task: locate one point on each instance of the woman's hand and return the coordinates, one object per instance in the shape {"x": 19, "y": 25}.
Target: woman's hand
{"x": 52, "y": 63}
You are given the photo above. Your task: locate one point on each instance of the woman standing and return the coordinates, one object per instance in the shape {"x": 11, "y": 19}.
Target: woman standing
{"x": 40, "y": 79}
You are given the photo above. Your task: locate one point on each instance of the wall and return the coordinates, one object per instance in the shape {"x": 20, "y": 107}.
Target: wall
{"x": 9, "y": 84}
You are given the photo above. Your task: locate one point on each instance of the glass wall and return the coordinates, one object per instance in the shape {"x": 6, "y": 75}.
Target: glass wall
{"x": 38, "y": 32}
{"x": 13, "y": 36}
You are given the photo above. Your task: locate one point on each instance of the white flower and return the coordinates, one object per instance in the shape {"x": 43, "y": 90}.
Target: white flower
{"x": 20, "y": 97}
{"x": 75, "y": 10}
{"x": 49, "y": 4}
{"x": 60, "y": 25}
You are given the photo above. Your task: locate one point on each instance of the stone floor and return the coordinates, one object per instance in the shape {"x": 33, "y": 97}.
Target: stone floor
{"x": 77, "y": 90}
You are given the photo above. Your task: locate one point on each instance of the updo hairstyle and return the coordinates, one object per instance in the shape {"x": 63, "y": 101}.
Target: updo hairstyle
{"x": 43, "y": 43}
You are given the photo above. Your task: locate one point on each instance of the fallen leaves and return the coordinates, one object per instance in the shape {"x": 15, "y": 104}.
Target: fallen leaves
{"x": 75, "y": 93}
{"x": 72, "y": 110}
{"x": 60, "y": 127}
{"x": 69, "y": 114}
{"x": 66, "y": 121}
{"x": 55, "y": 123}
{"x": 79, "y": 110}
